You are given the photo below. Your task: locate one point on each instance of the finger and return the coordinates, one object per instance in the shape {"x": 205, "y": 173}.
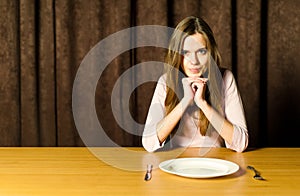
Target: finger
{"x": 197, "y": 79}
{"x": 204, "y": 79}
{"x": 194, "y": 87}
{"x": 198, "y": 85}
{"x": 188, "y": 81}
{"x": 192, "y": 80}
{"x": 199, "y": 82}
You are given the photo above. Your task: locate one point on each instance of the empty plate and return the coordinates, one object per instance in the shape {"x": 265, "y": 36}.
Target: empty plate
{"x": 199, "y": 167}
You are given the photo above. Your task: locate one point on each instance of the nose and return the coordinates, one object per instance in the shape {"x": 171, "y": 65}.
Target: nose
{"x": 194, "y": 59}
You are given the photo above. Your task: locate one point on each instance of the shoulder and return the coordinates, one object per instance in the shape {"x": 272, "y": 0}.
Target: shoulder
{"x": 229, "y": 82}
{"x": 228, "y": 76}
{"x": 162, "y": 80}
{"x": 161, "y": 83}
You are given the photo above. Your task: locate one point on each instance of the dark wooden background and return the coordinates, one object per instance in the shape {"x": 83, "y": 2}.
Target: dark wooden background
{"x": 43, "y": 43}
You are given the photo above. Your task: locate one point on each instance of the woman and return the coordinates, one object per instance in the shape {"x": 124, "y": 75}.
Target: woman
{"x": 195, "y": 102}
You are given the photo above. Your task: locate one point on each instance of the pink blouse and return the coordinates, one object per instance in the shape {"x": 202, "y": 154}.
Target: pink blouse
{"x": 188, "y": 134}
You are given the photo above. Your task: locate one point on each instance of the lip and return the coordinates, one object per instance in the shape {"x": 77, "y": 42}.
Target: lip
{"x": 195, "y": 70}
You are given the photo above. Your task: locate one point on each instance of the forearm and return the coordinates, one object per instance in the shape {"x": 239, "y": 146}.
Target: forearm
{"x": 223, "y": 126}
{"x": 168, "y": 123}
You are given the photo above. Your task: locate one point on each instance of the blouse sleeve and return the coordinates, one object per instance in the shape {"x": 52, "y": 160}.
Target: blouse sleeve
{"x": 234, "y": 113}
{"x": 155, "y": 114}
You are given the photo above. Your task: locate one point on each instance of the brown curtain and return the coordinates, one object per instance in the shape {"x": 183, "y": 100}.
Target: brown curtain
{"x": 43, "y": 43}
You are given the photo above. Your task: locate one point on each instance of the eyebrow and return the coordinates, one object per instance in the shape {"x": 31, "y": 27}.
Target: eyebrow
{"x": 195, "y": 50}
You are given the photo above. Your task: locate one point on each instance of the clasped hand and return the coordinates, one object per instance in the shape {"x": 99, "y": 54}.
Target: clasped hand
{"x": 194, "y": 90}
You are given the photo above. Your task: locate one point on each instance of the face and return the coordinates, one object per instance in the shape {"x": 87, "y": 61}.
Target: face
{"x": 195, "y": 55}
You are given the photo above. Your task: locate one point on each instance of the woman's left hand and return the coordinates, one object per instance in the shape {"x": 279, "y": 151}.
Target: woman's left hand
{"x": 199, "y": 87}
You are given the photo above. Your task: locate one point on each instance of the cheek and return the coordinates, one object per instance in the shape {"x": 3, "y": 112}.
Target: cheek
{"x": 203, "y": 60}
{"x": 184, "y": 65}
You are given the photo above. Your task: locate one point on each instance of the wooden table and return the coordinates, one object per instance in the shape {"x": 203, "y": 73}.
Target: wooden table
{"x": 77, "y": 171}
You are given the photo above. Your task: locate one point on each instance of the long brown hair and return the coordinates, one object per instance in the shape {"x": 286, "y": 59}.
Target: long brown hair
{"x": 174, "y": 59}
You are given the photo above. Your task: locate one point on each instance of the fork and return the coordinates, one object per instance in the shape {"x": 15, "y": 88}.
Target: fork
{"x": 257, "y": 175}
{"x": 148, "y": 175}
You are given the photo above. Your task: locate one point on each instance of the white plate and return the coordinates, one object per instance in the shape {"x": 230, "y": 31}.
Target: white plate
{"x": 199, "y": 167}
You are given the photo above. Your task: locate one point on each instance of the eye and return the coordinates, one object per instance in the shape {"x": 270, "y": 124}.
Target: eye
{"x": 202, "y": 51}
{"x": 186, "y": 53}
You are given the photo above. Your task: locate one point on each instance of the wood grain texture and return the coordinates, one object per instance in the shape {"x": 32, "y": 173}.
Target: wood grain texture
{"x": 76, "y": 171}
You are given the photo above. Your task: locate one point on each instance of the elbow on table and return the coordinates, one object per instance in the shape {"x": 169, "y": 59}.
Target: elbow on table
{"x": 240, "y": 139}
{"x": 243, "y": 144}
{"x": 147, "y": 145}
{"x": 241, "y": 150}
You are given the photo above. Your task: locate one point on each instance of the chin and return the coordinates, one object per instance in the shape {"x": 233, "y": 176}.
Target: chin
{"x": 194, "y": 75}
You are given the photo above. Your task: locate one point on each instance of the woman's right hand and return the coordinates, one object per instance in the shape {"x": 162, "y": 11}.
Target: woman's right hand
{"x": 187, "y": 90}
